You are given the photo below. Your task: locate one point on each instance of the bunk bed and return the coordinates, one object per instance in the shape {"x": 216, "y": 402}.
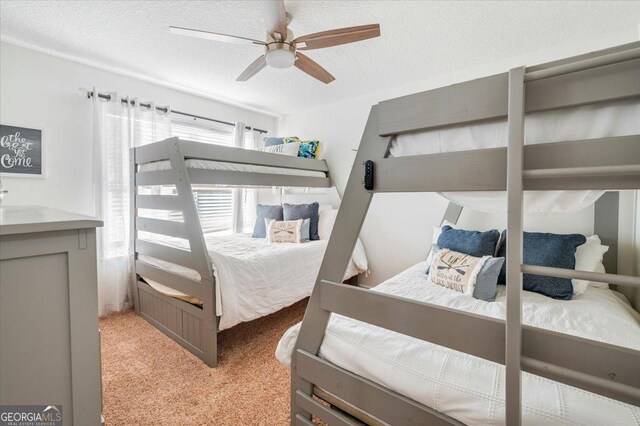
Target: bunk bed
{"x": 191, "y": 285}
{"x": 465, "y": 349}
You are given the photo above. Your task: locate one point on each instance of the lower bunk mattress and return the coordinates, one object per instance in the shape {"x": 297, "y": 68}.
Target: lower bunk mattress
{"x": 253, "y": 278}
{"x": 468, "y": 388}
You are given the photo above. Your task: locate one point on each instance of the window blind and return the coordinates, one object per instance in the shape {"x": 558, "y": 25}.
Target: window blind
{"x": 214, "y": 205}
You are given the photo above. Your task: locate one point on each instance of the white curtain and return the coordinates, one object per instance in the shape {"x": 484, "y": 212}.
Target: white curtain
{"x": 244, "y": 199}
{"x": 117, "y": 127}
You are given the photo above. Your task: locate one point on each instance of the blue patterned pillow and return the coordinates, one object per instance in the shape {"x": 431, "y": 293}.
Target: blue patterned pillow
{"x": 304, "y": 211}
{"x": 309, "y": 149}
{"x": 265, "y": 212}
{"x": 473, "y": 243}
{"x": 545, "y": 249}
{"x": 486, "y": 280}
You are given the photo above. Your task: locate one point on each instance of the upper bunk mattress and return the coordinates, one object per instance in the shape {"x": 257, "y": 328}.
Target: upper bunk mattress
{"x": 468, "y": 388}
{"x": 254, "y": 278}
{"x": 608, "y": 119}
{"x": 234, "y": 167}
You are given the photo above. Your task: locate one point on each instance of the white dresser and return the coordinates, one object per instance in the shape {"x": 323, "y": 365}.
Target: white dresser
{"x": 49, "y": 338}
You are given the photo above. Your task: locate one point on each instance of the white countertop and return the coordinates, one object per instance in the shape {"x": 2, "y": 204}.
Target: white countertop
{"x": 28, "y": 219}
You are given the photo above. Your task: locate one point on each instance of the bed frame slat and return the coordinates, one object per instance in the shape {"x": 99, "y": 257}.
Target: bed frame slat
{"x": 169, "y": 254}
{"x": 368, "y": 396}
{"x": 175, "y": 281}
{"x": 485, "y": 99}
{"x": 462, "y": 331}
{"x": 162, "y": 227}
{"x": 226, "y": 177}
{"x": 322, "y": 412}
{"x": 157, "y": 177}
{"x": 158, "y": 202}
{"x": 227, "y": 154}
{"x": 484, "y": 337}
{"x": 432, "y": 172}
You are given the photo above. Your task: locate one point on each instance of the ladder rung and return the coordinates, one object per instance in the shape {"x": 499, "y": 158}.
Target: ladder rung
{"x": 582, "y": 171}
{"x": 625, "y": 280}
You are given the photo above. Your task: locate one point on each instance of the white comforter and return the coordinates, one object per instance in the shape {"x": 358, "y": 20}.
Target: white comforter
{"x": 468, "y": 388}
{"x": 254, "y": 278}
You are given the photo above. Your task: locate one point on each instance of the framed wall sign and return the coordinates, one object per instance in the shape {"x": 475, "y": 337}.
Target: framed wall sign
{"x": 21, "y": 152}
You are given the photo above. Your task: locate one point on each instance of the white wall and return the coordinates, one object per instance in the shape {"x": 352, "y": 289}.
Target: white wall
{"x": 398, "y": 229}
{"x": 41, "y": 91}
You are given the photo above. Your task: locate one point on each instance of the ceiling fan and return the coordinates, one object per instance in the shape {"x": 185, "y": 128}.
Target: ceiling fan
{"x": 282, "y": 50}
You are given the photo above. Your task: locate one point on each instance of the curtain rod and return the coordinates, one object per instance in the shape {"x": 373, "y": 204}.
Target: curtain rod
{"x": 186, "y": 114}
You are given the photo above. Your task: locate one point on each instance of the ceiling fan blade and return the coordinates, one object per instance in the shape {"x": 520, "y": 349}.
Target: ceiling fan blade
{"x": 337, "y": 37}
{"x": 253, "y": 69}
{"x": 226, "y": 38}
{"x": 312, "y": 68}
{"x": 275, "y": 17}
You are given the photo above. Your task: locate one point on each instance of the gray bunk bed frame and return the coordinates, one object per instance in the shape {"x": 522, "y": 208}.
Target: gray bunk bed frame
{"x": 193, "y": 327}
{"x": 607, "y": 163}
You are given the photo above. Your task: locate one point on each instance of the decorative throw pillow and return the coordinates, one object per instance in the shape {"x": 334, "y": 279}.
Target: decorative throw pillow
{"x": 265, "y": 212}
{"x": 325, "y": 223}
{"x": 304, "y": 230}
{"x": 473, "y": 276}
{"x": 588, "y": 258}
{"x": 600, "y": 269}
{"x": 546, "y": 249}
{"x": 304, "y": 211}
{"x": 287, "y": 231}
{"x": 309, "y": 149}
{"x": 290, "y": 149}
{"x": 473, "y": 243}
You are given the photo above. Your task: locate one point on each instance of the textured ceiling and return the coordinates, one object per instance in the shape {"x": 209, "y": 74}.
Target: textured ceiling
{"x": 419, "y": 39}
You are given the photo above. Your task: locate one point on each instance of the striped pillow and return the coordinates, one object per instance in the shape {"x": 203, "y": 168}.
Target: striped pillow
{"x": 290, "y": 149}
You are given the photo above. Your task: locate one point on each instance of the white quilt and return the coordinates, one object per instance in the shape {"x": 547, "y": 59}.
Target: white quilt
{"x": 468, "y": 388}
{"x": 254, "y": 278}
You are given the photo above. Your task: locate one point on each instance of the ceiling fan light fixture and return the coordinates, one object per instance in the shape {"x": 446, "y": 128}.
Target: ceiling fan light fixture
{"x": 280, "y": 57}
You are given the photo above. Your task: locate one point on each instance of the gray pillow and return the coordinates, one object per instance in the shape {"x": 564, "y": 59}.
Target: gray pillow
{"x": 304, "y": 211}
{"x": 304, "y": 230}
{"x": 487, "y": 279}
{"x": 265, "y": 212}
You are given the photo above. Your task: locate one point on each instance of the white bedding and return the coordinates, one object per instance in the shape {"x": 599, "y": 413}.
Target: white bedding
{"x": 468, "y": 388}
{"x": 253, "y": 278}
{"x": 235, "y": 167}
{"x": 611, "y": 119}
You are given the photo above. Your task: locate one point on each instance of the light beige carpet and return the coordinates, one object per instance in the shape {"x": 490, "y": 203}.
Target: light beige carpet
{"x": 148, "y": 379}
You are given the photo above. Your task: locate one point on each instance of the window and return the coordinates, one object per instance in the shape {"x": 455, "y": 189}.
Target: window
{"x": 216, "y": 205}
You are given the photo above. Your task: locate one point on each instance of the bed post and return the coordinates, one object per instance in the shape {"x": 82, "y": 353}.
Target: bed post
{"x": 198, "y": 249}
{"x": 353, "y": 210}
{"x": 515, "y": 195}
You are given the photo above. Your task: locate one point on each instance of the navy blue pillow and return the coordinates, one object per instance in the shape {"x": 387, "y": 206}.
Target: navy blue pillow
{"x": 545, "y": 249}
{"x": 265, "y": 212}
{"x": 304, "y": 211}
{"x": 473, "y": 243}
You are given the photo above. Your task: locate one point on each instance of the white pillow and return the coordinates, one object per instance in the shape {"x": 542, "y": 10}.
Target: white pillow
{"x": 599, "y": 269}
{"x": 285, "y": 231}
{"x": 588, "y": 257}
{"x": 325, "y": 222}
{"x": 290, "y": 149}
{"x": 437, "y": 230}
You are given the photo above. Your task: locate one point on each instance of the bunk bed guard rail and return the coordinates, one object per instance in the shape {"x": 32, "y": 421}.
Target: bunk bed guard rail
{"x": 607, "y": 163}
